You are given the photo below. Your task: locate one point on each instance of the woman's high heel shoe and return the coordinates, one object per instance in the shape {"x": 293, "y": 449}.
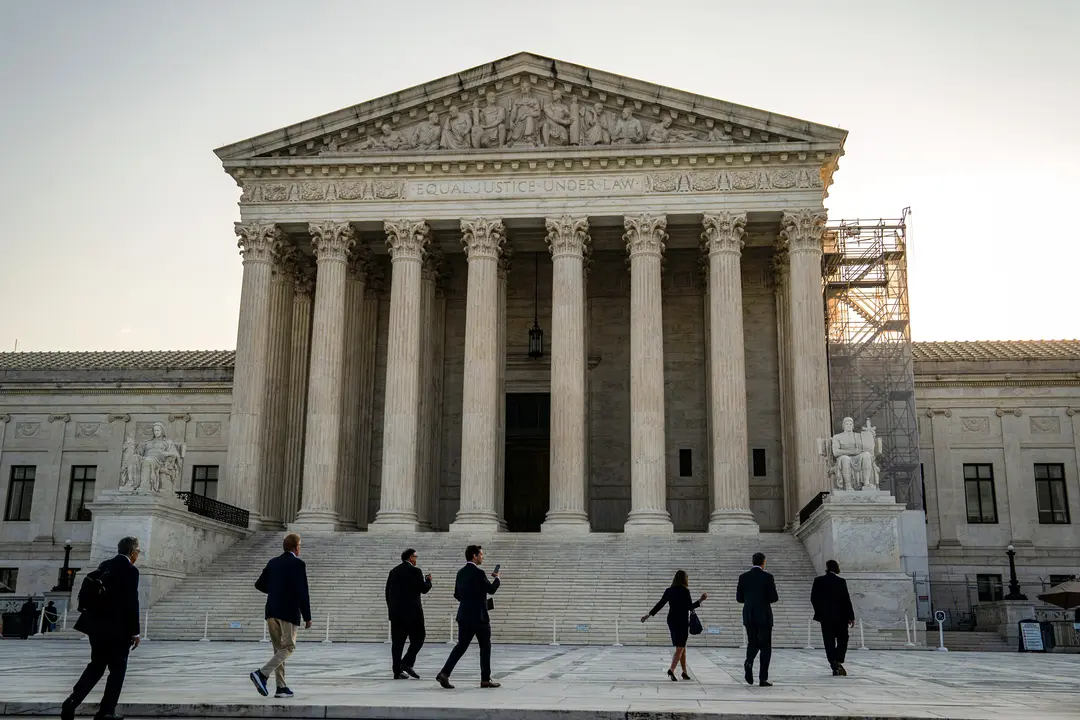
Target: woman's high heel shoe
{"x": 685, "y": 676}
{"x": 671, "y": 674}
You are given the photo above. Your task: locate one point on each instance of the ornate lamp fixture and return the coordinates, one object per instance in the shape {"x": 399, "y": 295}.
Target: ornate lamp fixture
{"x": 536, "y": 335}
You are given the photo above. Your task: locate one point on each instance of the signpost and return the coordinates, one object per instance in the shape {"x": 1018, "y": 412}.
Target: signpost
{"x": 1031, "y": 639}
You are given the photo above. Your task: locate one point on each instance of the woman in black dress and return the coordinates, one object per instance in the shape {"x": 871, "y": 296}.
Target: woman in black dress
{"x": 677, "y": 598}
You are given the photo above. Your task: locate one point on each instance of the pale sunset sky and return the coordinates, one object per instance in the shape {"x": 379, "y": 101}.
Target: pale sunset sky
{"x": 117, "y": 219}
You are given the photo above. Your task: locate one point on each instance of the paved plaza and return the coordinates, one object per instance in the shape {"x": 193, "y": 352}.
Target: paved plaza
{"x": 192, "y": 679}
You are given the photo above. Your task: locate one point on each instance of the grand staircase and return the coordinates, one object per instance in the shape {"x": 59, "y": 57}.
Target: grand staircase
{"x": 572, "y": 590}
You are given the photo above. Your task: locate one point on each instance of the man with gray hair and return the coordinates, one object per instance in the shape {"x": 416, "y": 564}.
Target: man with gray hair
{"x": 109, "y": 603}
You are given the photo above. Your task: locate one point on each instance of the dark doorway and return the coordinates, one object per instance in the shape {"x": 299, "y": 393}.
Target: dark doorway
{"x": 528, "y": 433}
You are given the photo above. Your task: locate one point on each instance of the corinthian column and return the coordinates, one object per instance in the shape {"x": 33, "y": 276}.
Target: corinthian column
{"x": 567, "y": 238}
{"x": 271, "y": 508}
{"x": 645, "y": 236}
{"x": 332, "y": 242}
{"x": 483, "y": 239}
{"x": 802, "y": 233}
{"x": 352, "y": 360}
{"x": 430, "y": 325}
{"x": 244, "y": 462}
{"x": 296, "y": 413}
{"x": 727, "y": 376}
{"x": 408, "y": 240}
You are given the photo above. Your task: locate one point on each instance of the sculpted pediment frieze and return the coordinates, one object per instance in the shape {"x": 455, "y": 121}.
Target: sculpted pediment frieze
{"x": 526, "y": 103}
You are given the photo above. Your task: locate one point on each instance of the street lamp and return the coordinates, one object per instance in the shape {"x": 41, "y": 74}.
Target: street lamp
{"x": 63, "y": 582}
{"x": 1014, "y": 586}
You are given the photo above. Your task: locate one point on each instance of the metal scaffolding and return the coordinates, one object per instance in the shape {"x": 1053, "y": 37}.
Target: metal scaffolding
{"x": 871, "y": 372}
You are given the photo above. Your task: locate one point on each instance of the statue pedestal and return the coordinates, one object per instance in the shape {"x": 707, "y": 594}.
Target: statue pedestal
{"x": 861, "y": 531}
{"x": 173, "y": 541}
{"x": 1004, "y": 616}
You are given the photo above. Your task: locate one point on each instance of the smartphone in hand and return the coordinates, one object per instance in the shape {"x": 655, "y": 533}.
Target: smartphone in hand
{"x": 496, "y": 570}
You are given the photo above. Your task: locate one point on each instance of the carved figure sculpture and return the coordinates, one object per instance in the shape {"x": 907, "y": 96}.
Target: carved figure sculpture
{"x": 153, "y": 466}
{"x": 597, "y": 126}
{"x": 851, "y": 457}
{"x": 457, "y": 130}
{"x": 627, "y": 129}
{"x": 389, "y": 140}
{"x": 428, "y": 133}
{"x": 662, "y": 133}
{"x": 555, "y": 129}
{"x": 525, "y": 118}
{"x": 489, "y": 124}
{"x": 718, "y": 135}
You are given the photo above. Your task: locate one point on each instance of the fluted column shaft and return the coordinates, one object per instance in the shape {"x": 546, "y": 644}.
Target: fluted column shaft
{"x": 802, "y": 233}
{"x": 567, "y": 238}
{"x": 352, "y": 357}
{"x": 296, "y": 412}
{"x": 500, "y": 360}
{"x": 369, "y": 330}
{"x": 332, "y": 242}
{"x": 407, "y": 240}
{"x": 425, "y": 442}
{"x": 727, "y": 376}
{"x": 244, "y": 461}
{"x": 279, "y": 356}
{"x": 645, "y": 236}
{"x": 483, "y": 239}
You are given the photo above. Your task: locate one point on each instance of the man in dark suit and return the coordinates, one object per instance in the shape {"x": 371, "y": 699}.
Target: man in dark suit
{"x": 404, "y": 586}
{"x": 832, "y": 608}
{"x": 284, "y": 580}
{"x": 471, "y": 590}
{"x": 113, "y": 629}
{"x": 757, "y": 593}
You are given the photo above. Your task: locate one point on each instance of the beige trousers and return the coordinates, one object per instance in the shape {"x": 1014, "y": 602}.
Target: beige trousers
{"x": 283, "y": 638}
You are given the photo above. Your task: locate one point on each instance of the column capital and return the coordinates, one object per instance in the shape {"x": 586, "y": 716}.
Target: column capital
{"x": 303, "y": 278}
{"x": 258, "y": 240}
{"x": 724, "y": 232}
{"x": 483, "y": 237}
{"x": 567, "y": 236}
{"x": 432, "y": 266}
{"x": 803, "y": 230}
{"x": 359, "y": 262}
{"x": 506, "y": 260}
{"x": 332, "y": 240}
{"x": 645, "y": 234}
{"x": 407, "y": 239}
{"x": 285, "y": 256}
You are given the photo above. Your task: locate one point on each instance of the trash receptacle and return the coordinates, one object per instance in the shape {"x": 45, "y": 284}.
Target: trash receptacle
{"x": 1047, "y": 628}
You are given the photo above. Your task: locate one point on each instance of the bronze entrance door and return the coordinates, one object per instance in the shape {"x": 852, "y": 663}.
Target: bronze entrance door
{"x": 528, "y": 430}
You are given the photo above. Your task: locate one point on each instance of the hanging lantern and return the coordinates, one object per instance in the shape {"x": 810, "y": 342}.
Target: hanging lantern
{"x": 536, "y": 335}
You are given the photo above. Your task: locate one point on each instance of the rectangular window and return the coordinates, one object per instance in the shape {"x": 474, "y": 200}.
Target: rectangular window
{"x": 759, "y": 462}
{"x": 82, "y": 492}
{"x": 20, "y": 492}
{"x": 8, "y": 578}
{"x": 990, "y": 589}
{"x": 686, "y": 463}
{"x": 204, "y": 481}
{"x": 1050, "y": 494}
{"x": 1058, "y": 579}
{"x": 979, "y": 490}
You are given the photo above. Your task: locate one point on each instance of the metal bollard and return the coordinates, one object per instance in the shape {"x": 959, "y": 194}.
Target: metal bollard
{"x": 554, "y": 632}
{"x": 205, "y": 628}
{"x": 809, "y": 631}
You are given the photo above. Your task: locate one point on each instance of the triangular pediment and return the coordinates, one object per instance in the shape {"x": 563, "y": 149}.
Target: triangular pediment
{"x": 531, "y": 103}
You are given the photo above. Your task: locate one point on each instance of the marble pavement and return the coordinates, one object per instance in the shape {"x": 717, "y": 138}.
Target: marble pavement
{"x": 194, "y": 679}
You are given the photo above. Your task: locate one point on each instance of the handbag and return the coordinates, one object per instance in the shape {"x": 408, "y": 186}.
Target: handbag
{"x": 695, "y": 624}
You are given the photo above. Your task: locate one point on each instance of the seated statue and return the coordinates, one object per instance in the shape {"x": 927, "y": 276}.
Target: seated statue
{"x": 153, "y": 466}
{"x": 851, "y": 458}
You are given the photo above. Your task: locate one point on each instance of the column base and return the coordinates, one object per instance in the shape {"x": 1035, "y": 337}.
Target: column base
{"x": 395, "y": 521}
{"x": 477, "y": 522}
{"x": 648, "y": 522}
{"x": 315, "y": 521}
{"x": 566, "y": 522}
{"x": 264, "y": 523}
{"x": 732, "y": 522}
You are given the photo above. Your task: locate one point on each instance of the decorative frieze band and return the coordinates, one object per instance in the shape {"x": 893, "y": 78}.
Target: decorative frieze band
{"x": 567, "y": 235}
{"x": 723, "y": 232}
{"x": 483, "y": 237}
{"x": 645, "y": 234}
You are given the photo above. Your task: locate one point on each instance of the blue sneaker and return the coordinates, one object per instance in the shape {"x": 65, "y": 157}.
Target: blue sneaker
{"x": 283, "y": 692}
{"x": 260, "y": 682}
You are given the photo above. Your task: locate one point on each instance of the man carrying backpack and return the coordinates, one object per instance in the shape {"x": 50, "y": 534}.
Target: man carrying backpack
{"x": 109, "y": 607}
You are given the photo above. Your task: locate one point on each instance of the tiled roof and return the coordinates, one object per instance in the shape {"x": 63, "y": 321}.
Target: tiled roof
{"x": 990, "y": 350}
{"x": 121, "y": 360}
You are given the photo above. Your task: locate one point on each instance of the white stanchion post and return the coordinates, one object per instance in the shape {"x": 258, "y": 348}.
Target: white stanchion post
{"x": 941, "y": 638}
{"x": 809, "y": 631}
{"x": 862, "y": 638}
{"x": 389, "y": 633}
{"x": 907, "y": 632}
{"x": 554, "y": 632}
{"x": 205, "y": 628}
{"x": 41, "y": 623}
{"x": 450, "y": 637}
{"x": 914, "y": 633}
{"x": 264, "y": 639}
{"x": 617, "y": 643}
{"x": 326, "y": 639}
{"x": 745, "y": 641}
{"x": 146, "y": 626}
{"x": 64, "y": 625}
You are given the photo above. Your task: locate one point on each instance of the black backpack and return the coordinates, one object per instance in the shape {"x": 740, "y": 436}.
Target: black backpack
{"x": 94, "y": 591}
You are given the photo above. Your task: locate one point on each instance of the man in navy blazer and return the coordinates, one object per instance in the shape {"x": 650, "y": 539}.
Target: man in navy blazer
{"x": 757, "y": 593}
{"x": 832, "y": 608}
{"x": 471, "y": 590}
{"x": 113, "y": 630}
{"x": 284, "y": 580}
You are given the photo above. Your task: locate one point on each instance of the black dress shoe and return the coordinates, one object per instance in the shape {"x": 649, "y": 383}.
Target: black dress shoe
{"x": 835, "y": 672}
{"x": 489, "y": 684}
{"x": 444, "y": 681}
{"x": 67, "y": 711}
{"x": 411, "y": 672}
{"x": 109, "y": 716}
{"x": 765, "y": 683}
{"x": 401, "y": 676}
{"x": 748, "y": 673}
{"x": 840, "y": 670}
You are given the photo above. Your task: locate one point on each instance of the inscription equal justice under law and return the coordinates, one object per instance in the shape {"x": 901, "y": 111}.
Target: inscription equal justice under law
{"x": 627, "y": 185}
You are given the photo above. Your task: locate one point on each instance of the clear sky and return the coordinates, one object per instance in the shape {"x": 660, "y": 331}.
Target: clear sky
{"x": 116, "y": 218}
